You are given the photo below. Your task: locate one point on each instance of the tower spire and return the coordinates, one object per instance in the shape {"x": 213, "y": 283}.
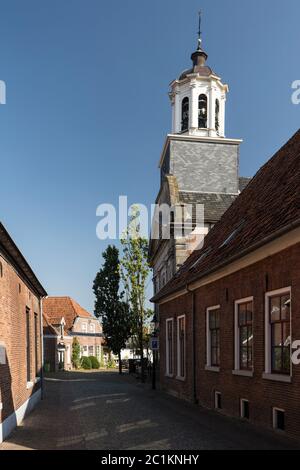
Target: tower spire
{"x": 199, "y": 57}
{"x": 199, "y": 30}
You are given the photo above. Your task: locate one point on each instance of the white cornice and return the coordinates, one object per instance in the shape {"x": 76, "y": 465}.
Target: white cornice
{"x": 192, "y": 138}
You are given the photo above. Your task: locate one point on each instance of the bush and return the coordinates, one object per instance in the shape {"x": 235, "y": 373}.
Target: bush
{"x": 76, "y": 353}
{"x": 111, "y": 364}
{"x": 95, "y": 363}
{"x": 86, "y": 362}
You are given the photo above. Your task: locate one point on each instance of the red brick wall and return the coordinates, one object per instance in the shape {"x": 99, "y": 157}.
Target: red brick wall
{"x": 15, "y": 296}
{"x": 278, "y": 271}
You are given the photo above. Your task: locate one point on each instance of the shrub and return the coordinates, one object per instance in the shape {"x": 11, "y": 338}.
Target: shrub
{"x": 111, "y": 364}
{"x": 95, "y": 363}
{"x": 86, "y": 362}
{"x": 76, "y": 353}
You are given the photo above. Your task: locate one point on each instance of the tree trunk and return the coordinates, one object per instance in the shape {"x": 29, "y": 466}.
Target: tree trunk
{"x": 120, "y": 362}
{"x": 142, "y": 355}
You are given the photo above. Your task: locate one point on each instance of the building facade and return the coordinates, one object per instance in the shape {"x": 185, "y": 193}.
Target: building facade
{"x": 229, "y": 319}
{"x": 64, "y": 320}
{"x": 199, "y": 168}
{"x": 20, "y": 336}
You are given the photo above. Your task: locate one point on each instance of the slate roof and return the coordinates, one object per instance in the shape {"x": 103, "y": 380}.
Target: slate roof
{"x": 57, "y": 307}
{"x": 268, "y": 206}
{"x": 204, "y": 71}
{"x": 214, "y": 204}
{"x": 10, "y": 249}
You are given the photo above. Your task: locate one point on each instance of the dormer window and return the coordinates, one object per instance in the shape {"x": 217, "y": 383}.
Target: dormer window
{"x": 185, "y": 114}
{"x": 92, "y": 328}
{"x": 84, "y": 327}
{"x": 202, "y": 112}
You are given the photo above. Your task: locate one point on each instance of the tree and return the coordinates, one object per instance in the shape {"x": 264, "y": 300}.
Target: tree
{"x": 76, "y": 353}
{"x": 109, "y": 306}
{"x": 135, "y": 270}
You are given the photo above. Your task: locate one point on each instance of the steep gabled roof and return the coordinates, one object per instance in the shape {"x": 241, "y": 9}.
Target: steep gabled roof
{"x": 269, "y": 205}
{"x": 14, "y": 255}
{"x": 56, "y": 308}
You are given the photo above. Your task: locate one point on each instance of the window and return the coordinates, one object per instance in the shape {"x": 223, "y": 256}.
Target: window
{"x": 36, "y": 344}
{"x": 278, "y": 419}
{"x": 244, "y": 334}
{"x": 213, "y": 336}
{"x": 245, "y": 412}
{"x": 28, "y": 359}
{"x": 169, "y": 347}
{"x": 202, "y": 112}
{"x": 98, "y": 352}
{"x": 92, "y": 328}
{"x": 84, "y": 327}
{"x": 278, "y": 332}
{"x": 185, "y": 114}
{"x": 91, "y": 350}
{"x": 217, "y": 116}
{"x": 84, "y": 350}
{"x": 181, "y": 347}
{"x": 218, "y": 401}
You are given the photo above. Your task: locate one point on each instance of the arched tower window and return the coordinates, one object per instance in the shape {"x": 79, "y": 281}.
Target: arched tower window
{"x": 202, "y": 112}
{"x": 217, "y": 118}
{"x": 185, "y": 114}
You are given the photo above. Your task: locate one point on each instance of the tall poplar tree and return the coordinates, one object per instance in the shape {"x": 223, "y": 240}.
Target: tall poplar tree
{"x": 109, "y": 305}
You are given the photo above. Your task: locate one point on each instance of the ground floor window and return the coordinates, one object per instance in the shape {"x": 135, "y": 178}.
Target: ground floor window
{"x": 181, "y": 347}
{"x": 98, "y": 352}
{"x": 278, "y": 332}
{"x": 169, "y": 346}
{"x": 213, "y": 336}
{"x": 91, "y": 350}
{"x": 244, "y": 334}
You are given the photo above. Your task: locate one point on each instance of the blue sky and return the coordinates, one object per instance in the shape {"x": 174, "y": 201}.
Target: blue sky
{"x": 87, "y": 110}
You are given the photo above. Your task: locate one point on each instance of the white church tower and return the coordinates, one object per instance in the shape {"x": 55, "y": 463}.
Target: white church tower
{"x": 198, "y": 99}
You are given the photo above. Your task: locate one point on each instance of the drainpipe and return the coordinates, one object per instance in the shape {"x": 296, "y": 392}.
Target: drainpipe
{"x": 194, "y": 368}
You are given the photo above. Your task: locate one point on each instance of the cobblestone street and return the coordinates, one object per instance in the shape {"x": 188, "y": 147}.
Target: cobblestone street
{"x": 104, "y": 411}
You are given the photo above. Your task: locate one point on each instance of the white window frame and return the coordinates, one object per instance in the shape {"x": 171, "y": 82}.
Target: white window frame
{"x": 208, "y": 340}
{"x": 237, "y": 370}
{"x": 180, "y": 377}
{"x": 168, "y": 374}
{"x": 92, "y": 328}
{"x": 268, "y": 374}
{"x": 274, "y": 418}
{"x": 93, "y": 349}
{"x": 98, "y": 351}
{"x": 84, "y": 327}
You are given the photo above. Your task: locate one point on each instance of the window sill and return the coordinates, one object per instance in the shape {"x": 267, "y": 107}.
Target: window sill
{"x": 212, "y": 369}
{"x": 277, "y": 377}
{"x": 170, "y": 376}
{"x": 181, "y": 379}
{"x": 29, "y": 385}
{"x": 243, "y": 373}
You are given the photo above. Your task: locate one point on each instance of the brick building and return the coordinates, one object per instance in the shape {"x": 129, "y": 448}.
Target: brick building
{"x": 20, "y": 336}
{"x": 230, "y": 316}
{"x": 65, "y": 319}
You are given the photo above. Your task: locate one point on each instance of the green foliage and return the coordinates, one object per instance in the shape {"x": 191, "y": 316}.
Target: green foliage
{"x": 86, "y": 363}
{"x": 75, "y": 353}
{"x": 135, "y": 270}
{"x": 109, "y": 306}
{"x": 95, "y": 363}
{"x": 111, "y": 364}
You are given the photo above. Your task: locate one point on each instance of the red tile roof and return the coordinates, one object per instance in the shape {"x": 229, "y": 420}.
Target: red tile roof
{"x": 270, "y": 203}
{"x": 57, "y": 307}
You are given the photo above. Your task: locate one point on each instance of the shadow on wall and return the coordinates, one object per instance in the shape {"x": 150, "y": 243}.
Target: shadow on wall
{"x": 10, "y": 416}
{"x": 8, "y": 420}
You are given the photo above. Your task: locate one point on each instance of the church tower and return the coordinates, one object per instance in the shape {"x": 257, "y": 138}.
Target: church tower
{"x": 198, "y": 164}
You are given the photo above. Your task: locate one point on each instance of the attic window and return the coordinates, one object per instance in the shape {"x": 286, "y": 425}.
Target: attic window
{"x": 233, "y": 234}
{"x": 201, "y": 257}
